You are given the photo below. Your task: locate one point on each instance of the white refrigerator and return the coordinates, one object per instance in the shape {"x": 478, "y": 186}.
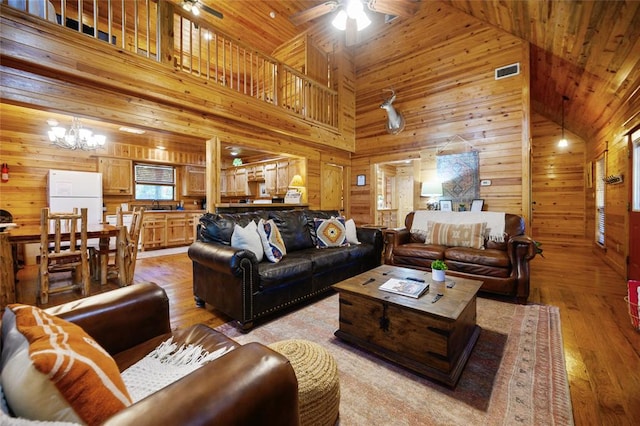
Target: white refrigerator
{"x": 70, "y": 189}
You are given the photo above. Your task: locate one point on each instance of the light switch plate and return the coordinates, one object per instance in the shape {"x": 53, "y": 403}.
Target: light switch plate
{"x": 485, "y": 182}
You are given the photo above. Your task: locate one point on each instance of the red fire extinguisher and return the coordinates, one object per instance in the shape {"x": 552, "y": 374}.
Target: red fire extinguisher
{"x": 5, "y": 172}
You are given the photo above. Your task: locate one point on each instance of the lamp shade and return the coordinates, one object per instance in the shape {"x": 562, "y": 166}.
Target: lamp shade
{"x": 431, "y": 189}
{"x": 296, "y": 182}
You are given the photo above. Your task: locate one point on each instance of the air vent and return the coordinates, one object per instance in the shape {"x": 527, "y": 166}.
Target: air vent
{"x": 507, "y": 71}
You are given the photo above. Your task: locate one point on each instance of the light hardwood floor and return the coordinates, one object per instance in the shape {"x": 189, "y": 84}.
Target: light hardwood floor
{"x": 602, "y": 350}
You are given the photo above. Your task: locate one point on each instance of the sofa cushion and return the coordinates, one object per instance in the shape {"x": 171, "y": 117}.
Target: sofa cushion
{"x": 456, "y": 235}
{"x": 53, "y": 370}
{"x": 487, "y": 257}
{"x": 247, "y": 238}
{"x": 218, "y": 227}
{"x": 274, "y": 247}
{"x": 291, "y": 268}
{"x": 326, "y": 259}
{"x": 330, "y": 232}
{"x": 294, "y": 229}
{"x": 419, "y": 250}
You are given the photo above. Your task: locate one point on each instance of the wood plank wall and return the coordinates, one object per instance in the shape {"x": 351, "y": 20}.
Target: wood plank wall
{"x": 25, "y": 147}
{"x": 558, "y": 185}
{"x": 95, "y": 80}
{"x": 442, "y": 69}
{"x": 612, "y": 142}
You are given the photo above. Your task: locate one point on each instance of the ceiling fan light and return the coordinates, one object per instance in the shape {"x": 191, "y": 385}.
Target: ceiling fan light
{"x": 340, "y": 21}
{"x": 354, "y": 9}
{"x": 362, "y": 21}
{"x": 195, "y": 10}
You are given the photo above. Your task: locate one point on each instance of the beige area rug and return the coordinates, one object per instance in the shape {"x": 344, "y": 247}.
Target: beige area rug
{"x": 516, "y": 374}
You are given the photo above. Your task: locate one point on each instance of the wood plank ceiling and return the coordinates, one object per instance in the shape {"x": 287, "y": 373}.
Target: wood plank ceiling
{"x": 588, "y": 51}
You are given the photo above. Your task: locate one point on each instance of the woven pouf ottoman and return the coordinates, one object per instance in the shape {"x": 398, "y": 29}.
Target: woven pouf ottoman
{"x": 318, "y": 384}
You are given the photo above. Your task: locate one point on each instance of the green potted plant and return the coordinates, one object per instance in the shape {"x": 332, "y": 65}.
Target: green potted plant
{"x": 437, "y": 270}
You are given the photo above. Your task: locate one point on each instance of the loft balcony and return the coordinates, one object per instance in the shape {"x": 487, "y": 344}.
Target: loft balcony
{"x": 159, "y": 31}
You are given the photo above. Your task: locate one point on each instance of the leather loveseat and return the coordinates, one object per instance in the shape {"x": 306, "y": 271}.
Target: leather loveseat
{"x": 502, "y": 266}
{"x": 234, "y": 282}
{"x": 245, "y": 385}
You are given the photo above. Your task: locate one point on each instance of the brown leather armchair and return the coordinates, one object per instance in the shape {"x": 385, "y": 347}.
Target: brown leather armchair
{"x": 247, "y": 385}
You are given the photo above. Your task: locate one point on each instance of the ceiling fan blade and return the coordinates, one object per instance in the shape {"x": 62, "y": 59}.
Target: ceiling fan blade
{"x": 404, "y": 8}
{"x": 210, "y": 10}
{"x": 313, "y": 12}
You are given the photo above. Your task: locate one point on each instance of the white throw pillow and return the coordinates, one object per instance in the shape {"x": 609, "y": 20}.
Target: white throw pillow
{"x": 247, "y": 238}
{"x": 352, "y": 235}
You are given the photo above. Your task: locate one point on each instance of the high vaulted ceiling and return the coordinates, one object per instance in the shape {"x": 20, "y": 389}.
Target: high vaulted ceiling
{"x": 588, "y": 51}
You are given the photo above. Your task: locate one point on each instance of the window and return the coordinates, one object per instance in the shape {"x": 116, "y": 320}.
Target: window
{"x": 635, "y": 140}
{"x": 154, "y": 182}
{"x": 600, "y": 173}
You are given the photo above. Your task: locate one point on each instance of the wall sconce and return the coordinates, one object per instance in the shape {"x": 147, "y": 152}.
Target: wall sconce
{"x": 431, "y": 190}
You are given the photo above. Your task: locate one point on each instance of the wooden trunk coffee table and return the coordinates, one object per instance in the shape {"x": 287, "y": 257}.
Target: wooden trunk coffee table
{"x": 433, "y": 339}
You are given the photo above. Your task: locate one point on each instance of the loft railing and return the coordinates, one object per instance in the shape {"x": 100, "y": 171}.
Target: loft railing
{"x": 142, "y": 27}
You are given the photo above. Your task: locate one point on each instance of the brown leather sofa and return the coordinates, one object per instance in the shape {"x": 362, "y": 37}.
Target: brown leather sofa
{"x": 246, "y": 385}
{"x": 502, "y": 266}
{"x": 234, "y": 282}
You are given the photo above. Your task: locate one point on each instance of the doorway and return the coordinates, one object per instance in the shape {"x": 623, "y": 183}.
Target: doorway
{"x": 395, "y": 188}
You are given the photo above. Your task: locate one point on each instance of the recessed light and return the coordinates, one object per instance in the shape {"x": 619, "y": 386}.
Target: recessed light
{"x": 131, "y": 130}
{"x": 161, "y": 147}
{"x": 234, "y": 153}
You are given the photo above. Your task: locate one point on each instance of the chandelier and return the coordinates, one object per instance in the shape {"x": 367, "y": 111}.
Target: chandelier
{"x": 77, "y": 137}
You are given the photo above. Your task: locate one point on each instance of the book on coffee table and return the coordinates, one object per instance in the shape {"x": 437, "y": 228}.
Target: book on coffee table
{"x": 409, "y": 288}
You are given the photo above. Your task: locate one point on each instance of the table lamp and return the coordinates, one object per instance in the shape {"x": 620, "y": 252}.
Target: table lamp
{"x": 432, "y": 190}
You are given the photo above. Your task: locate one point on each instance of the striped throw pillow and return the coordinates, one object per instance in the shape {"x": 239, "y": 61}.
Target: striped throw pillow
{"x": 456, "y": 235}
{"x": 53, "y": 370}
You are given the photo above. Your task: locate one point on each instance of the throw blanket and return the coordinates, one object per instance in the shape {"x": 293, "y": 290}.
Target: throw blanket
{"x": 494, "y": 220}
{"x": 163, "y": 366}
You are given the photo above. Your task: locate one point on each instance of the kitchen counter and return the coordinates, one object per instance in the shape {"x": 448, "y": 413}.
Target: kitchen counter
{"x": 174, "y": 211}
{"x": 247, "y": 207}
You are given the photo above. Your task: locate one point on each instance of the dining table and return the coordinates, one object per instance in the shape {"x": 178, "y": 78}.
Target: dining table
{"x": 31, "y": 233}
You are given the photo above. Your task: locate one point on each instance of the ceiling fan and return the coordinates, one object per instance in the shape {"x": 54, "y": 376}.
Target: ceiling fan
{"x": 194, "y": 7}
{"x": 350, "y": 15}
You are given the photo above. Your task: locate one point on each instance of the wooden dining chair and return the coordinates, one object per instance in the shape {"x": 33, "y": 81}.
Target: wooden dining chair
{"x": 56, "y": 255}
{"x": 126, "y": 250}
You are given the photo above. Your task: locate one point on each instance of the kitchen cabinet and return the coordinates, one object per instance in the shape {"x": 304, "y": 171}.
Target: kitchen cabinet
{"x": 176, "y": 230}
{"x": 194, "y": 181}
{"x": 169, "y": 229}
{"x": 283, "y": 177}
{"x": 223, "y": 183}
{"x": 117, "y": 176}
{"x": 229, "y": 180}
{"x": 154, "y": 231}
{"x": 241, "y": 183}
{"x": 270, "y": 178}
{"x": 255, "y": 173}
